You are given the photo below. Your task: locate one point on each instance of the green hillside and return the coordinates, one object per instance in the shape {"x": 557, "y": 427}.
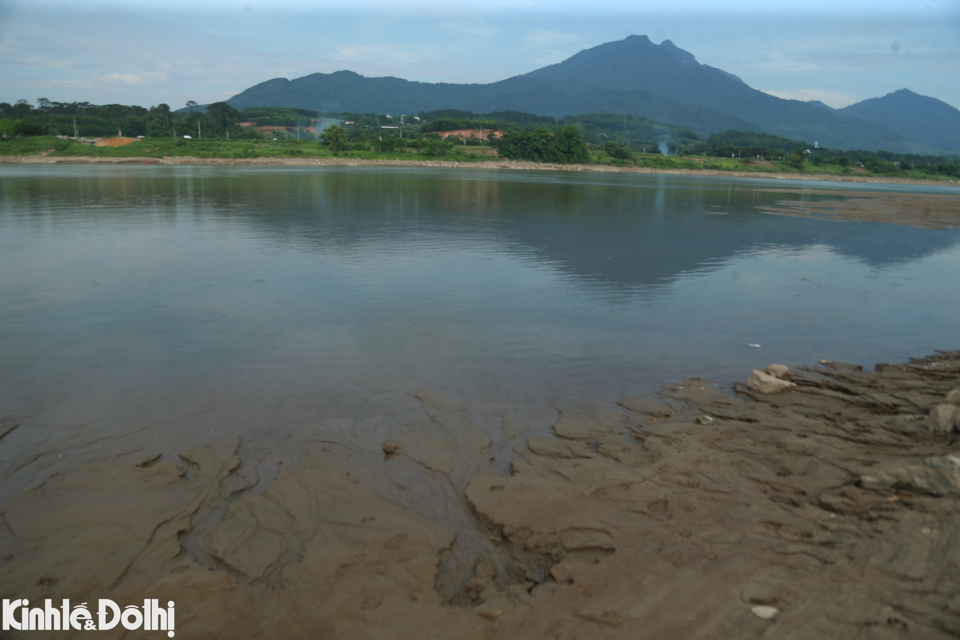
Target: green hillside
{"x": 631, "y": 76}
{"x": 924, "y": 119}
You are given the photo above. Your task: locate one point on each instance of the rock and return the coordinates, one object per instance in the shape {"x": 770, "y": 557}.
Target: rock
{"x": 641, "y": 404}
{"x": 938, "y": 476}
{"x": 764, "y": 612}
{"x": 943, "y": 418}
{"x": 954, "y": 396}
{"x": 580, "y": 420}
{"x": 777, "y": 370}
{"x": 765, "y": 383}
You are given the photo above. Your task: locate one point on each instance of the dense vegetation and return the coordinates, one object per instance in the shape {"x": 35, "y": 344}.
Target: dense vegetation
{"x": 637, "y": 132}
{"x": 565, "y": 146}
{"x": 734, "y": 143}
{"x": 604, "y": 138}
{"x": 90, "y": 120}
{"x": 278, "y": 116}
{"x": 454, "y": 119}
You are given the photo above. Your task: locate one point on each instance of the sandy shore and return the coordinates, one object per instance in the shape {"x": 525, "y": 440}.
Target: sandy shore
{"x": 829, "y": 509}
{"x": 492, "y": 164}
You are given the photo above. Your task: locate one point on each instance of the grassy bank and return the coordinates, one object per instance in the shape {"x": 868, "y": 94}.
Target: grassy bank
{"x": 219, "y": 151}
{"x": 211, "y": 148}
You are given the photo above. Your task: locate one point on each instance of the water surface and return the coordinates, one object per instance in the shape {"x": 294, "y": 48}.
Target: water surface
{"x": 155, "y": 306}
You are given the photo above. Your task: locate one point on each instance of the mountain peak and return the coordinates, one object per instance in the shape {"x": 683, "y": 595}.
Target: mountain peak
{"x": 683, "y": 56}
{"x": 928, "y": 120}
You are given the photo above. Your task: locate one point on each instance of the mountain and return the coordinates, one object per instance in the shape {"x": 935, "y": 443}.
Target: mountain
{"x": 924, "y": 119}
{"x": 633, "y": 75}
{"x": 349, "y": 91}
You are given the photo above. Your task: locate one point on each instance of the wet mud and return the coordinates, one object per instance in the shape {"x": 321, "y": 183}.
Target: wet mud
{"x": 817, "y": 502}
{"x": 923, "y": 210}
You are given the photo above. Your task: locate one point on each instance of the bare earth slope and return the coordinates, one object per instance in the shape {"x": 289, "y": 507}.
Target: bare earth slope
{"x": 829, "y": 509}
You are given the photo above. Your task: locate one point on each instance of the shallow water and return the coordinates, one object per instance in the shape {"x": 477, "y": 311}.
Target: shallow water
{"x": 164, "y": 306}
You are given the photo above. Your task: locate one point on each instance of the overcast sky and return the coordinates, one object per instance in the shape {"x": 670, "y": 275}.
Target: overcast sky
{"x": 148, "y": 52}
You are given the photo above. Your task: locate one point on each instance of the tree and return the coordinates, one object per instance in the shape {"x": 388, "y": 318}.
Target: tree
{"x": 163, "y": 110}
{"x": 223, "y": 117}
{"x": 9, "y": 127}
{"x": 191, "y": 104}
{"x": 540, "y": 145}
{"x": 616, "y": 150}
{"x": 570, "y": 145}
{"x": 335, "y": 138}
{"x": 21, "y": 109}
{"x": 436, "y": 147}
{"x": 795, "y": 159}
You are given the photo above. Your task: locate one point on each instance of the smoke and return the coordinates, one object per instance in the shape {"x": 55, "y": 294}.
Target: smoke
{"x": 663, "y": 148}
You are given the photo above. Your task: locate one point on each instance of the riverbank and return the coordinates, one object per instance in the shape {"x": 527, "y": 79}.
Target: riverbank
{"x": 828, "y": 508}
{"x": 480, "y": 164}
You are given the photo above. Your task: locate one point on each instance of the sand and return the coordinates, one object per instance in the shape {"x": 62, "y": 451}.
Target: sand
{"x": 492, "y": 164}
{"x": 829, "y": 509}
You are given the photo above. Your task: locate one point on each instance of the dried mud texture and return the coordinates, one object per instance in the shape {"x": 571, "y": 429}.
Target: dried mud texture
{"x": 828, "y": 509}
{"x": 927, "y": 211}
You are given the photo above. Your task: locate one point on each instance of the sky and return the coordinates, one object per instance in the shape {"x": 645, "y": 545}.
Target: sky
{"x": 148, "y": 52}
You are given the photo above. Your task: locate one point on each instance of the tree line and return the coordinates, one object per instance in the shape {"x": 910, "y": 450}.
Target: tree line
{"x": 90, "y": 120}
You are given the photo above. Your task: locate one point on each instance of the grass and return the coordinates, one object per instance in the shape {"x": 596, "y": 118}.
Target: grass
{"x": 218, "y": 148}
{"x": 213, "y": 148}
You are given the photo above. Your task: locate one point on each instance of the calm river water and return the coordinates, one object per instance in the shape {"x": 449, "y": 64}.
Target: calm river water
{"x": 185, "y": 303}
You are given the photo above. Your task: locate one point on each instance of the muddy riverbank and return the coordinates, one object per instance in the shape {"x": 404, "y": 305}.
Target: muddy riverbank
{"x": 830, "y": 508}
{"x": 491, "y": 164}
{"x": 922, "y": 210}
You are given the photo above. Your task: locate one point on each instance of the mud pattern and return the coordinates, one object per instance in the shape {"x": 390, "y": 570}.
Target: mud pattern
{"x": 828, "y": 509}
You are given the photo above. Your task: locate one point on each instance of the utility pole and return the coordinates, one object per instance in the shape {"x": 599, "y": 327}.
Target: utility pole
{"x": 198, "y": 130}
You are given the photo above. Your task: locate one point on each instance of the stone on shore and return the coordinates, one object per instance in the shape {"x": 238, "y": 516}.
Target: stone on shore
{"x": 777, "y": 371}
{"x": 765, "y": 383}
{"x": 944, "y": 418}
{"x": 938, "y": 476}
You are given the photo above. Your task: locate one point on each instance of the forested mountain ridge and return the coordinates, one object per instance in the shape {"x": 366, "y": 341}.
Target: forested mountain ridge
{"x": 924, "y": 119}
{"x": 632, "y": 76}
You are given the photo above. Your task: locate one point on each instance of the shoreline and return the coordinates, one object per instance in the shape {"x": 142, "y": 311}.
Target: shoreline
{"x": 485, "y": 164}
{"x": 822, "y": 501}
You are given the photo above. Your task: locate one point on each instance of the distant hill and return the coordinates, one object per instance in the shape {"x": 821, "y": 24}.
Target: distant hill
{"x": 924, "y": 119}
{"x": 349, "y": 91}
{"x": 630, "y": 76}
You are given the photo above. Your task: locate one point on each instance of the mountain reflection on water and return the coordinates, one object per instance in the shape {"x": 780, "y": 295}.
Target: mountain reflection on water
{"x": 188, "y": 300}
{"x": 617, "y": 229}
